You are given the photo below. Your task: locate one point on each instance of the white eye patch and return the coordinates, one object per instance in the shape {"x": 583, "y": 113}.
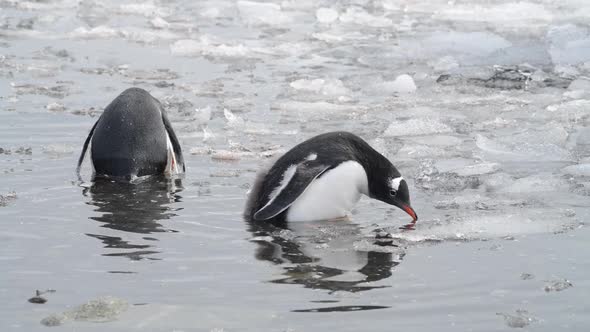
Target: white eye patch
{"x": 395, "y": 183}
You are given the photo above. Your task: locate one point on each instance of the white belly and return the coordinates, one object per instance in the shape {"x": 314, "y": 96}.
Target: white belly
{"x": 331, "y": 196}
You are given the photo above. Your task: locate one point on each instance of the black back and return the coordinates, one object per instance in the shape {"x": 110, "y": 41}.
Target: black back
{"x": 129, "y": 138}
{"x": 332, "y": 149}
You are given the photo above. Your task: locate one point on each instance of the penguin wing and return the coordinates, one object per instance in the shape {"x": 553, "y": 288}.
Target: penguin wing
{"x": 303, "y": 175}
{"x": 174, "y": 141}
{"x": 84, "y": 148}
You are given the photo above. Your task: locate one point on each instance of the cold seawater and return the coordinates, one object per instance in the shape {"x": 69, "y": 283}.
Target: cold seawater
{"x": 482, "y": 105}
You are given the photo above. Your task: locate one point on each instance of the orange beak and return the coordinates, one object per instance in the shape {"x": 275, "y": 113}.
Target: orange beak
{"x": 411, "y": 212}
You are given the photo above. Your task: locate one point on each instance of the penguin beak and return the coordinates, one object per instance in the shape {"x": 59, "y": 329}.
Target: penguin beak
{"x": 411, "y": 212}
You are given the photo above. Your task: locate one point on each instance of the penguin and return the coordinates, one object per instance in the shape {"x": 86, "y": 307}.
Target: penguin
{"x": 323, "y": 178}
{"x": 133, "y": 138}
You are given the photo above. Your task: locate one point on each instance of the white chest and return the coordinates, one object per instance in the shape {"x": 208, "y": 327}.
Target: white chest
{"x": 332, "y": 195}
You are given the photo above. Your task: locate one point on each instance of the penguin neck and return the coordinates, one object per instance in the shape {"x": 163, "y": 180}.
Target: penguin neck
{"x": 373, "y": 163}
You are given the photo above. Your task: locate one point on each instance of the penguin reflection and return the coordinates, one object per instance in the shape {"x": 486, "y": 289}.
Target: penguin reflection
{"x": 321, "y": 256}
{"x": 133, "y": 207}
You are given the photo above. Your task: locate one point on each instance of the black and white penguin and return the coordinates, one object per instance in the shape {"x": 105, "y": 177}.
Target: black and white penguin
{"x": 133, "y": 138}
{"x": 323, "y": 178}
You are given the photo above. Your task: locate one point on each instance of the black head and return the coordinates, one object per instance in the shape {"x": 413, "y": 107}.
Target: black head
{"x": 387, "y": 185}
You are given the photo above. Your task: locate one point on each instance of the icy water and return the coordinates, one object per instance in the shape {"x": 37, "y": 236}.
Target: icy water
{"x": 484, "y": 106}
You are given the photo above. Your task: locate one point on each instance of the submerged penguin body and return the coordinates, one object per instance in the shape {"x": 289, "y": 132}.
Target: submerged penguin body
{"x": 133, "y": 138}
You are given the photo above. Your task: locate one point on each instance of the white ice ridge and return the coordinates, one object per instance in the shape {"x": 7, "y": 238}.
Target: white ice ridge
{"x": 328, "y": 86}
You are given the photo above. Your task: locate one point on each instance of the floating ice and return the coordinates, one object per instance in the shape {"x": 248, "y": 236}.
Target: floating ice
{"x": 203, "y": 115}
{"x": 520, "y": 320}
{"x": 448, "y": 42}
{"x": 204, "y": 46}
{"x": 570, "y": 44}
{"x": 444, "y": 64}
{"x": 577, "y": 170}
{"x": 420, "y": 151}
{"x": 103, "y": 309}
{"x": 521, "y": 151}
{"x": 358, "y": 16}
{"x": 233, "y": 121}
{"x": 571, "y": 111}
{"x": 402, "y": 84}
{"x": 488, "y": 225}
{"x": 557, "y": 285}
{"x": 326, "y": 15}
{"x": 159, "y": 23}
{"x": 211, "y": 12}
{"x": 9, "y": 197}
{"x": 477, "y": 169}
{"x": 327, "y": 87}
{"x": 261, "y": 13}
{"x": 320, "y": 106}
{"x": 536, "y": 183}
{"x": 437, "y": 140}
{"x": 100, "y": 31}
{"x": 418, "y": 126}
{"x": 58, "y": 150}
{"x": 145, "y": 9}
{"x": 578, "y": 89}
{"x": 515, "y": 13}
{"x": 55, "y": 107}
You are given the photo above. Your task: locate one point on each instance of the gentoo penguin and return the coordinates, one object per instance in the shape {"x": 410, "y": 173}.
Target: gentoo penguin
{"x": 132, "y": 138}
{"x": 323, "y": 178}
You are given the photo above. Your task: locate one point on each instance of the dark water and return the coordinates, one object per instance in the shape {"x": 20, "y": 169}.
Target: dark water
{"x": 494, "y": 141}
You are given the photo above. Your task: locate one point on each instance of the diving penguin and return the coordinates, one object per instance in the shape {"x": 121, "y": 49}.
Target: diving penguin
{"x": 133, "y": 138}
{"x": 323, "y": 178}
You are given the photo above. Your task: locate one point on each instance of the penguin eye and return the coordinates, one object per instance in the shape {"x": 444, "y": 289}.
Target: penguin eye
{"x": 393, "y": 192}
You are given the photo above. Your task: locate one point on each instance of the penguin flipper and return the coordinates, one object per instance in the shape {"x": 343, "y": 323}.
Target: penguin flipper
{"x": 174, "y": 141}
{"x": 304, "y": 174}
{"x": 84, "y": 148}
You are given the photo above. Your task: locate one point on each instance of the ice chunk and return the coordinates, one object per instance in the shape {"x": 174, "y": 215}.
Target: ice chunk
{"x": 511, "y": 12}
{"x": 327, "y": 87}
{"x": 544, "y": 182}
{"x": 420, "y": 151}
{"x": 204, "y": 46}
{"x": 444, "y": 64}
{"x": 358, "y": 16}
{"x": 520, "y": 320}
{"x": 557, "y": 285}
{"x": 445, "y": 42}
{"x": 103, "y": 309}
{"x": 145, "y": 9}
{"x": 417, "y": 126}
{"x": 159, "y": 23}
{"x": 437, "y": 140}
{"x": 571, "y": 111}
{"x": 100, "y": 31}
{"x": 577, "y": 170}
{"x": 429, "y": 178}
{"x": 261, "y": 13}
{"x": 320, "y": 106}
{"x": 521, "y": 151}
{"x": 326, "y": 15}
{"x": 233, "y": 121}
{"x": 402, "y": 84}
{"x": 55, "y": 107}
{"x": 570, "y": 44}
{"x": 477, "y": 169}
{"x": 488, "y": 225}
{"x": 578, "y": 89}
{"x": 497, "y": 181}
{"x": 211, "y": 12}
{"x": 203, "y": 115}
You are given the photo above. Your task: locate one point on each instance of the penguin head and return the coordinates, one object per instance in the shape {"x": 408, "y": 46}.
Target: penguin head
{"x": 390, "y": 187}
